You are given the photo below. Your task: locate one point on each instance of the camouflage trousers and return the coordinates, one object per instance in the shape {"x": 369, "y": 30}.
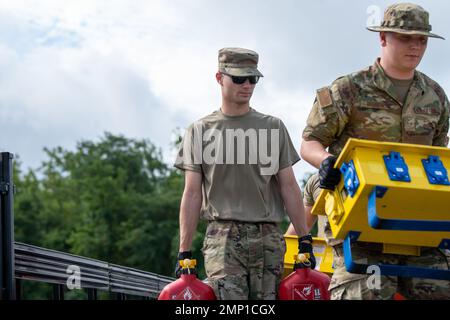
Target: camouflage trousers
{"x": 351, "y": 286}
{"x": 244, "y": 260}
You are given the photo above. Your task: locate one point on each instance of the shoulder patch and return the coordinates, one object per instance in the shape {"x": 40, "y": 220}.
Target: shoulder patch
{"x": 324, "y": 97}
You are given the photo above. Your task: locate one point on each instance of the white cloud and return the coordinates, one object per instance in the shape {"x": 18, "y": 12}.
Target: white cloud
{"x": 73, "y": 69}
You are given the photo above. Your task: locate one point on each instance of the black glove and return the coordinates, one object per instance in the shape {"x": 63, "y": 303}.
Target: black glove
{"x": 181, "y": 256}
{"x": 329, "y": 177}
{"x": 307, "y": 249}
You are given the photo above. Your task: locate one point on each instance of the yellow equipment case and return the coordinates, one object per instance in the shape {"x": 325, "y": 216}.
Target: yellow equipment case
{"x": 391, "y": 193}
{"x": 322, "y": 252}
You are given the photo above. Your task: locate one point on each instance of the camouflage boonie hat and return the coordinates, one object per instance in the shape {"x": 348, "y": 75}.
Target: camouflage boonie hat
{"x": 406, "y": 18}
{"x": 238, "y": 62}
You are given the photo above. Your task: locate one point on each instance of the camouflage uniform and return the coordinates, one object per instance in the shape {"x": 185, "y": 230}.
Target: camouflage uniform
{"x": 364, "y": 105}
{"x": 361, "y": 105}
{"x": 244, "y": 260}
{"x": 346, "y": 285}
{"x": 243, "y": 247}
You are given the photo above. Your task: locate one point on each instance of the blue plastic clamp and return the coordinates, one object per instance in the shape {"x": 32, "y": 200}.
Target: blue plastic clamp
{"x": 351, "y": 181}
{"x": 435, "y": 170}
{"x": 396, "y": 167}
{"x": 390, "y": 269}
{"x": 399, "y": 224}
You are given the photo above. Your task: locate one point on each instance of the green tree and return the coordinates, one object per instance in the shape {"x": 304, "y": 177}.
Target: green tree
{"x": 27, "y": 206}
{"x": 114, "y": 200}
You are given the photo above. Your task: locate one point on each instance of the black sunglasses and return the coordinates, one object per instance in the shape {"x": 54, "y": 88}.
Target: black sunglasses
{"x": 241, "y": 80}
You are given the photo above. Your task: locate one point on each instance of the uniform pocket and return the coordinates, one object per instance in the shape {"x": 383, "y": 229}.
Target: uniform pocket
{"x": 422, "y": 121}
{"x": 214, "y": 248}
{"x": 432, "y": 109}
{"x": 353, "y": 290}
{"x": 376, "y": 120}
{"x": 420, "y": 125}
{"x": 338, "y": 293}
{"x": 377, "y": 105}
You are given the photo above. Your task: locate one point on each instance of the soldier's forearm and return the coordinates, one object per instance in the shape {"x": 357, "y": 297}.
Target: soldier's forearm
{"x": 189, "y": 216}
{"x": 310, "y": 218}
{"x": 313, "y": 152}
{"x": 294, "y": 206}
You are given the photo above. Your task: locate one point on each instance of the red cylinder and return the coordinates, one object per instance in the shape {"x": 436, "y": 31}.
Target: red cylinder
{"x": 187, "y": 287}
{"x": 305, "y": 284}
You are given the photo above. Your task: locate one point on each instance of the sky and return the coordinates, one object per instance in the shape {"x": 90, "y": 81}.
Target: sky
{"x": 71, "y": 70}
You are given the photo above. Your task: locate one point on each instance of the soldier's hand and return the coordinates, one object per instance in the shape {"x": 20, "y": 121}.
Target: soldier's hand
{"x": 329, "y": 177}
{"x": 181, "y": 256}
{"x": 305, "y": 248}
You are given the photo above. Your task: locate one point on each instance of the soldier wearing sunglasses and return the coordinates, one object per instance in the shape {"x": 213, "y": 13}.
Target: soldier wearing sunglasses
{"x": 243, "y": 201}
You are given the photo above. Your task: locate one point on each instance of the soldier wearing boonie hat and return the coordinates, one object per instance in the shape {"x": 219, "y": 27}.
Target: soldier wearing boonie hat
{"x": 388, "y": 101}
{"x": 406, "y": 18}
{"x": 242, "y": 201}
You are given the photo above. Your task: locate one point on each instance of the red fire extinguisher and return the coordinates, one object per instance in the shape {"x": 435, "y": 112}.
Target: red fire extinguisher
{"x": 304, "y": 283}
{"x": 187, "y": 287}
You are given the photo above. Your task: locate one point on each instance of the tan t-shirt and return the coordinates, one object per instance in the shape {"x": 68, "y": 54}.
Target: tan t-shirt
{"x": 401, "y": 88}
{"x": 239, "y": 157}
{"x": 312, "y": 190}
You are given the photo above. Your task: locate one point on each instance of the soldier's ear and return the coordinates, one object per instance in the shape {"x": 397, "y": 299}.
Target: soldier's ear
{"x": 219, "y": 78}
{"x": 383, "y": 39}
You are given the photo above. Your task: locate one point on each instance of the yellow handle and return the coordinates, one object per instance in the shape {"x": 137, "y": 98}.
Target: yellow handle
{"x": 302, "y": 258}
{"x": 188, "y": 263}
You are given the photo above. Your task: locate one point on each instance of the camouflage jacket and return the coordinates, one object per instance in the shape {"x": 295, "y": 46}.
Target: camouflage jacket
{"x": 364, "y": 105}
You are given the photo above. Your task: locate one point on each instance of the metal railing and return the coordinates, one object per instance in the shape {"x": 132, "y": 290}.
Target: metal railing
{"x": 55, "y": 267}
{"x": 20, "y": 261}
{"x": 7, "y": 285}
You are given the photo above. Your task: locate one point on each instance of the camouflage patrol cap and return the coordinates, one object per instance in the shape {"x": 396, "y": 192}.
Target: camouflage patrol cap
{"x": 406, "y": 18}
{"x": 238, "y": 62}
